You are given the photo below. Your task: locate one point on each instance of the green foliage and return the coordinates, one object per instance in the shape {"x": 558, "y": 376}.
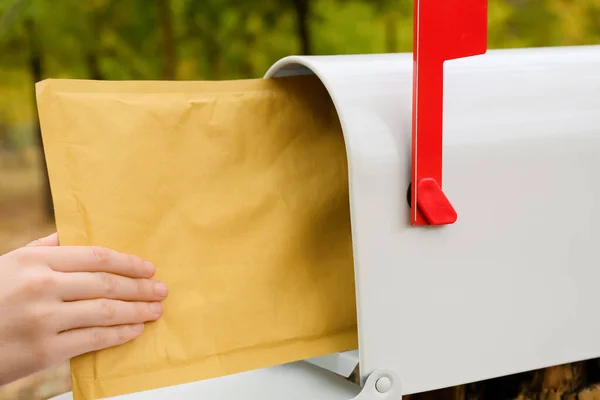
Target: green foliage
{"x": 231, "y": 39}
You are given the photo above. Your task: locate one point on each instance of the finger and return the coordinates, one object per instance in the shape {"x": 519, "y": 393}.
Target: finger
{"x": 96, "y": 259}
{"x": 51, "y": 240}
{"x": 103, "y": 312}
{"x": 96, "y": 285}
{"x": 73, "y": 343}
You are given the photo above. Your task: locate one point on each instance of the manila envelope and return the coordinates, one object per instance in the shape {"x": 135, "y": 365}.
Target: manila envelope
{"x": 237, "y": 191}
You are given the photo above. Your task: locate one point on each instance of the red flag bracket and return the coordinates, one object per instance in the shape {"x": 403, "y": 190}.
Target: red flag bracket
{"x": 443, "y": 30}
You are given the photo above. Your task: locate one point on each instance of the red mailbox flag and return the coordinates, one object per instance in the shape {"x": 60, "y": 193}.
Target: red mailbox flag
{"x": 443, "y": 30}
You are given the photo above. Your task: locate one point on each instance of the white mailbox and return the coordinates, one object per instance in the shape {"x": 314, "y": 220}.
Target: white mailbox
{"x": 512, "y": 285}
{"x": 499, "y": 291}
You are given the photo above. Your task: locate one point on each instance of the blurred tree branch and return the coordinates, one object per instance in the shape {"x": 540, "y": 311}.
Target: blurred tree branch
{"x": 165, "y": 14}
{"x": 303, "y": 11}
{"x": 11, "y": 16}
{"x": 36, "y": 70}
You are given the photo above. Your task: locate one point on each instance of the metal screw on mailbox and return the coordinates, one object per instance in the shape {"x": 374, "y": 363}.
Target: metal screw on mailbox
{"x": 383, "y": 385}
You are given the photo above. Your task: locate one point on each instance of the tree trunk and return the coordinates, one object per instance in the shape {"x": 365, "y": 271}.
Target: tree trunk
{"x": 92, "y": 58}
{"x": 36, "y": 70}
{"x": 249, "y": 37}
{"x": 302, "y": 8}
{"x": 93, "y": 66}
{"x": 165, "y": 14}
{"x": 213, "y": 57}
{"x": 391, "y": 33}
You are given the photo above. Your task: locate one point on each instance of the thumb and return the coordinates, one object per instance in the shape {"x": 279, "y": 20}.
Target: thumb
{"x": 51, "y": 240}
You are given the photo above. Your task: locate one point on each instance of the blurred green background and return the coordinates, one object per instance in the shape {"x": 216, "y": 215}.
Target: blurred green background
{"x": 199, "y": 39}
{"x": 229, "y": 39}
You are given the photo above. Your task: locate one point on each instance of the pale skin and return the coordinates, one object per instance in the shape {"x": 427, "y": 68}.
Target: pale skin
{"x": 58, "y": 302}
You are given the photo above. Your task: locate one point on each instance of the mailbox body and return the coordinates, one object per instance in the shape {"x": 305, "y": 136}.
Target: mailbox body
{"x": 512, "y": 285}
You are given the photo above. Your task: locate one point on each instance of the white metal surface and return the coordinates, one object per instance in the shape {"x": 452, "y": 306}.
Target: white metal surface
{"x": 341, "y": 363}
{"x": 295, "y": 381}
{"x": 512, "y": 286}
{"x": 381, "y": 385}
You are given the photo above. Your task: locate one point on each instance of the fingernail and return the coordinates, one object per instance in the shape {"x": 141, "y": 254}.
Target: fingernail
{"x": 160, "y": 289}
{"x": 156, "y": 308}
{"x": 150, "y": 268}
{"x": 137, "y": 328}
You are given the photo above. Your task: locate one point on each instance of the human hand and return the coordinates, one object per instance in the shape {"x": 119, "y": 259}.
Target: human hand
{"x": 57, "y": 302}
